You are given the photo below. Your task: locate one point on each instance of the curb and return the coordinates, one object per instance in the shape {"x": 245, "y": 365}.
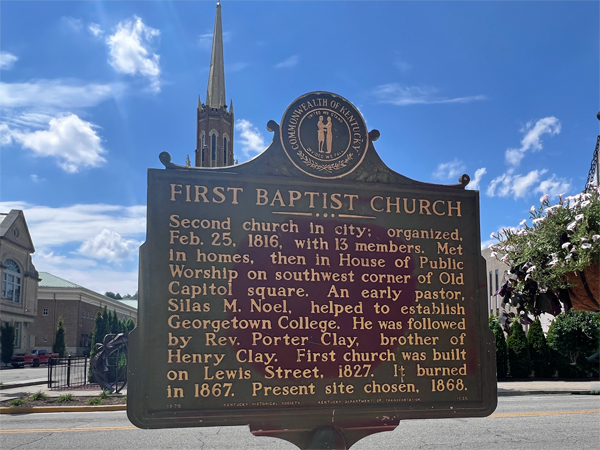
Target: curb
{"x": 53, "y": 409}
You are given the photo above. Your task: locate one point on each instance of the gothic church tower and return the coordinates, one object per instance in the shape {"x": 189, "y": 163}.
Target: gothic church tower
{"x": 214, "y": 135}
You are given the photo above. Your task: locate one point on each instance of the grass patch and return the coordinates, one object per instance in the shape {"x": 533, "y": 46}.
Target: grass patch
{"x": 39, "y": 396}
{"x": 104, "y": 394}
{"x": 17, "y": 402}
{"x": 65, "y": 398}
{"x": 94, "y": 401}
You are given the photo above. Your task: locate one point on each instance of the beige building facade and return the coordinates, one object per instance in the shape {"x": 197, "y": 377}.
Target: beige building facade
{"x": 19, "y": 278}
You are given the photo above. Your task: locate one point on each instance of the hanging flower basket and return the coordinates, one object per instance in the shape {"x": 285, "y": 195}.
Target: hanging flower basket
{"x": 585, "y": 295}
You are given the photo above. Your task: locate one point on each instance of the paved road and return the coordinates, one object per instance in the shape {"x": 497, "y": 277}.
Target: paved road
{"x": 551, "y": 422}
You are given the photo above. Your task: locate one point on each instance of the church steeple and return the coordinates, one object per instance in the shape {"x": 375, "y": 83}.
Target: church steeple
{"x": 214, "y": 135}
{"x": 215, "y": 95}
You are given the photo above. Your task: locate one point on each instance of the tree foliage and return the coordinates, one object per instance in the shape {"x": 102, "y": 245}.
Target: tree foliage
{"x": 60, "y": 343}
{"x": 538, "y": 350}
{"x": 7, "y": 341}
{"x": 501, "y": 349}
{"x": 519, "y": 361}
{"x": 576, "y": 335}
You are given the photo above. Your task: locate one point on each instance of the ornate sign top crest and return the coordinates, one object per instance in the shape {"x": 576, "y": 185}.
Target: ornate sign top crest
{"x": 324, "y": 135}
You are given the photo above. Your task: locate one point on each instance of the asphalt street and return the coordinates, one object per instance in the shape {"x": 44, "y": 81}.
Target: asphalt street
{"x": 560, "y": 422}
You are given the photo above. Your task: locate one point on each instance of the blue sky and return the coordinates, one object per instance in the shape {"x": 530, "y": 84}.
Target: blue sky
{"x": 92, "y": 92}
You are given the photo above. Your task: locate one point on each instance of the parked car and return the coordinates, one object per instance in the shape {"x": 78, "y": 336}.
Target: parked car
{"x": 36, "y": 358}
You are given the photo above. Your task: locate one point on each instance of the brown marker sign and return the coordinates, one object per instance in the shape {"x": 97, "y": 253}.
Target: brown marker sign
{"x": 311, "y": 286}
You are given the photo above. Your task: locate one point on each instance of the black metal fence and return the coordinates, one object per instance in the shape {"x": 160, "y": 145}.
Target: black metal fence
{"x": 71, "y": 372}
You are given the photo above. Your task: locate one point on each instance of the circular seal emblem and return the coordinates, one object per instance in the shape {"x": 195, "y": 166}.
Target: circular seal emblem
{"x": 324, "y": 135}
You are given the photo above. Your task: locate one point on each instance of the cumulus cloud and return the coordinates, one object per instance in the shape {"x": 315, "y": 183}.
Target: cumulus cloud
{"x": 531, "y": 140}
{"x": 251, "y": 141}
{"x": 205, "y": 40}
{"x": 399, "y": 95}
{"x": 70, "y": 140}
{"x": 553, "y": 186}
{"x": 95, "y": 30}
{"x": 516, "y": 185}
{"x": 292, "y": 61}
{"x": 130, "y": 51}
{"x": 450, "y": 170}
{"x": 110, "y": 246}
{"x": 7, "y": 60}
{"x": 474, "y": 184}
{"x": 61, "y": 93}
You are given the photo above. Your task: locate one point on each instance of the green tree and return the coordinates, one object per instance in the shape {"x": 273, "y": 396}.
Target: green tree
{"x": 7, "y": 341}
{"x": 519, "y": 361}
{"x": 60, "y": 344}
{"x": 501, "y": 349}
{"x": 129, "y": 324}
{"x": 101, "y": 329}
{"x": 114, "y": 323}
{"x": 576, "y": 335}
{"x": 538, "y": 350}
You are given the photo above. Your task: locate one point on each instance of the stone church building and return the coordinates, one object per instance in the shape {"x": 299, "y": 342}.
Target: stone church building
{"x": 214, "y": 123}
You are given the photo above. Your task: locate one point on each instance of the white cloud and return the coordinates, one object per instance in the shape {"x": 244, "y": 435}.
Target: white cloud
{"x": 72, "y": 141}
{"x": 95, "y": 29}
{"x": 516, "y": 185}
{"x": 450, "y": 170}
{"x": 553, "y": 186}
{"x": 61, "y": 93}
{"x": 7, "y": 60}
{"x": 110, "y": 246}
{"x": 531, "y": 140}
{"x": 288, "y": 63}
{"x": 474, "y": 184}
{"x": 251, "y": 141}
{"x": 396, "y": 94}
{"x": 72, "y": 23}
{"x": 130, "y": 51}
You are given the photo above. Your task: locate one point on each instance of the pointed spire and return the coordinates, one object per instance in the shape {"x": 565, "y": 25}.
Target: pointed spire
{"x": 215, "y": 95}
{"x": 231, "y": 107}
{"x": 199, "y": 102}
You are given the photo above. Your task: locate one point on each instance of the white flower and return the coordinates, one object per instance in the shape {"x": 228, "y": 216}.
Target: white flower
{"x": 553, "y": 262}
{"x": 595, "y": 237}
{"x": 532, "y": 209}
{"x": 493, "y": 254}
{"x": 492, "y": 236}
{"x": 566, "y": 245}
{"x": 531, "y": 269}
{"x": 505, "y": 258}
{"x": 568, "y": 257}
{"x": 571, "y": 226}
{"x": 585, "y": 204}
{"x": 523, "y": 222}
{"x": 538, "y": 220}
{"x": 583, "y": 239}
{"x": 574, "y": 249}
{"x": 579, "y": 217}
{"x": 544, "y": 198}
{"x": 586, "y": 245}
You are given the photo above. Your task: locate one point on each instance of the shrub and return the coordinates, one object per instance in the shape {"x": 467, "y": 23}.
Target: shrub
{"x": 501, "y": 349}
{"x": 60, "y": 345}
{"x": 94, "y": 401}
{"x": 538, "y": 350}
{"x": 7, "y": 341}
{"x": 519, "y": 360}
{"x": 576, "y": 335}
{"x": 104, "y": 394}
{"x": 17, "y": 402}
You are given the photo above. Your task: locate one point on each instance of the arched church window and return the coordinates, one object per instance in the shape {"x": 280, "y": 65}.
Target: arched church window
{"x": 203, "y": 148}
{"x": 11, "y": 281}
{"x": 213, "y": 145}
{"x": 225, "y": 150}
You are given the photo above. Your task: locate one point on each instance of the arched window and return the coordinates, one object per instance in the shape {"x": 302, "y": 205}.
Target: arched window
{"x": 202, "y": 153}
{"x": 11, "y": 281}
{"x": 213, "y": 145}
{"x": 224, "y": 150}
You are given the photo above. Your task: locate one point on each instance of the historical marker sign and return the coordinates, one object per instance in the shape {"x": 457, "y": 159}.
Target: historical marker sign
{"x": 310, "y": 286}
